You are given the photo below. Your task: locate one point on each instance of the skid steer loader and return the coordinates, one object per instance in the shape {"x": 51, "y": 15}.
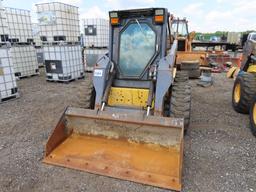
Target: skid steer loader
{"x": 244, "y": 90}
{"x": 137, "y": 108}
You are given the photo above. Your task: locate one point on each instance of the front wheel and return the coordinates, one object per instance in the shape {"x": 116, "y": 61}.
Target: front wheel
{"x": 253, "y": 116}
{"x": 86, "y": 95}
{"x": 180, "y": 102}
{"x": 243, "y": 91}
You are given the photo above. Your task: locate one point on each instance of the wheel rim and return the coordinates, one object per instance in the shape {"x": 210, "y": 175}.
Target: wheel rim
{"x": 254, "y": 113}
{"x": 237, "y": 93}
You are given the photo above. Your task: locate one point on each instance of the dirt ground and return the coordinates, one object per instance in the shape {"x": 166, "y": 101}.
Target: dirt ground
{"x": 220, "y": 151}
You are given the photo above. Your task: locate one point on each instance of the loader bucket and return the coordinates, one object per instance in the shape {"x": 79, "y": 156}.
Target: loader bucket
{"x": 123, "y": 145}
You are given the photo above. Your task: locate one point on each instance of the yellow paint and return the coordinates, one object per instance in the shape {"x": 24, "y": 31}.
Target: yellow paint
{"x": 1, "y": 71}
{"x": 231, "y": 72}
{"x": 252, "y": 69}
{"x": 237, "y": 93}
{"x": 236, "y": 73}
{"x": 174, "y": 72}
{"x": 254, "y": 113}
{"x": 191, "y": 56}
{"x": 128, "y": 97}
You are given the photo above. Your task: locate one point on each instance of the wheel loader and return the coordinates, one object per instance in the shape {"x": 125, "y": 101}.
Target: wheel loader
{"x": 244, "y": 90}
{"x": 137, "y": 107}
{"x": 187, "y": 59}
{"x": 179, "y": 30}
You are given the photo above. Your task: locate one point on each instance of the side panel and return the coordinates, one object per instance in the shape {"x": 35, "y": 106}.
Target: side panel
{"x": 164, "y": 79}
{"x": 100, "y": 77}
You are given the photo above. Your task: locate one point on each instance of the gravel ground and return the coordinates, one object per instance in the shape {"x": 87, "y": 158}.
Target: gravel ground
{"x": 220, "y": 152}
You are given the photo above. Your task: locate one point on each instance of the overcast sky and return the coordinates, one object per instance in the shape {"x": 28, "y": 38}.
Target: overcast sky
{"x": 203, "y": 15}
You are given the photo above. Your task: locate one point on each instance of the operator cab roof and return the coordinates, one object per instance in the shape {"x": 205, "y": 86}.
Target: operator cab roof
{"x": 137, "y": 12}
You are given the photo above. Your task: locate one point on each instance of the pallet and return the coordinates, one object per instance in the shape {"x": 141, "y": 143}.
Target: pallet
{"x": 26, "y": 76}
{"x": 10, "y": 98}
{"x": 41, "y": 65}
{"x": 61, "y": 43}
{"x": 65, "y": 81}
{"x": 89, "y": 69}
{"x": 21, "y": 43}
{"x": 5, "y": 44}
{"x": 93, "y": 47}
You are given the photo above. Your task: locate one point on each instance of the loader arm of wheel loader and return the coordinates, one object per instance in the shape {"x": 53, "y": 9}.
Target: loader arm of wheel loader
{"x": 127, "y": 136}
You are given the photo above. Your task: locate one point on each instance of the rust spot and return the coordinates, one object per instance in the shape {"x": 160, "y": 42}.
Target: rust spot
{"x": 149, "y": 176}
{"x": 86, "y": 164}
{"x": 106, "y": 167}
{"x": 51, "y": 156}
{"x": 68, "y": 160}
{"x": 127, "y": 172}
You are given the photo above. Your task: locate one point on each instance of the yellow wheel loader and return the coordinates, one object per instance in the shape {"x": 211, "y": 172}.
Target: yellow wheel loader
{"x": 244, "y": 90}
{"x": 137, "y": 107}
{"x": 187, "y": 59}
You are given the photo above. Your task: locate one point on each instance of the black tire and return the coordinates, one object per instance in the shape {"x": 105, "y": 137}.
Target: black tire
{"x": 241, "y": 101}
{"x": 182, "y": 76}
{"x": 194, "y": 74}
{"x": 189, "y": 65}
{"x": 253, "y": 116}
{"x": 180, "y": 102}
{"x": 86, "y": 95}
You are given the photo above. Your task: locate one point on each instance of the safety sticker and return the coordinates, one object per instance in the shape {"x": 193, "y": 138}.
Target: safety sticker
{"x": 98, "y": 73}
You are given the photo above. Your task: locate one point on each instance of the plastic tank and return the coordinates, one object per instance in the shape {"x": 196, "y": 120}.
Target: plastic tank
{"x": 96, "y": 33}
{"x": 8, "y": 86}
{"x": 63, "y": 62}
{"x": 19, "y": 24}
{"x": 58, "y": 22}
{"x": 24, "y": 60}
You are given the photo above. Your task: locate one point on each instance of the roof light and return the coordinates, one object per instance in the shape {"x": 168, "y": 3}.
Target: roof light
{"x": 159, "y": 16}
{"x": 159, "y": 12}
{"x": 113, "y": 15}
{"x": 114, "y": 20}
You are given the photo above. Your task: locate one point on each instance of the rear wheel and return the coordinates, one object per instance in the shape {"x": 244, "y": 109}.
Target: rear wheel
{"x": 253, "y": 116}
{"x": 180, "y": 102}
{"x": 192, "y": 67}
{"x": 194, "y": 74}
{"x": 243, "y": 91}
